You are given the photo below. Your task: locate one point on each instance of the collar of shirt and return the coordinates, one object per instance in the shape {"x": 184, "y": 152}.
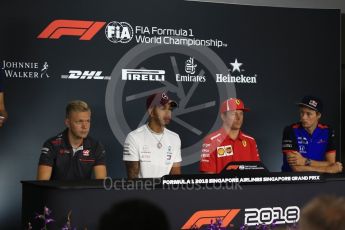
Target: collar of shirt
{"x": 85, "y": 145}
{"x": 224, "y": 135}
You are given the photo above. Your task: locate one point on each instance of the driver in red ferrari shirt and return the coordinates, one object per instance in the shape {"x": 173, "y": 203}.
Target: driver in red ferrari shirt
{"x": 229, "y": 143}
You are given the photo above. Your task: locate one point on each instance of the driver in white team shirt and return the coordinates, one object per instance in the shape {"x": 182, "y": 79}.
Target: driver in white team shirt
{"x": 152, "y": 150}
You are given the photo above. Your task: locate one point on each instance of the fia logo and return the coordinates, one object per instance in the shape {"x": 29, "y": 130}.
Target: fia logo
{"x": 119, "y": 32}
{"x": 190, "y": 67}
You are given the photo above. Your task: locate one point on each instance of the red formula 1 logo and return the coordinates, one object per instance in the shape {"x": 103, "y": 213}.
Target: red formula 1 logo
{"x": 200, "y": 218}
{"x": 85, "y": 30}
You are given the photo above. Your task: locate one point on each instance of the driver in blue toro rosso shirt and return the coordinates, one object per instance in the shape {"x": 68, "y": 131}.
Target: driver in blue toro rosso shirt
{"x": 310, "y": 145}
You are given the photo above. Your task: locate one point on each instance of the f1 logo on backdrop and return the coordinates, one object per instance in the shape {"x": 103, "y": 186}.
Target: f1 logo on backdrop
{"x": 206, "y": 217}
{"x": 85, "y": 30}
{"x": 252, "y": 217}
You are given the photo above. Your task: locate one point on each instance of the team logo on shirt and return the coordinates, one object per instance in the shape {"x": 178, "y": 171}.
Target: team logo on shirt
{"x": 64, "y": 151}
{"x": 302, "y": 149}
{"x": 86, "y": 153}
{"x": 244, "y": 143}
{"x": 321, "y": 141}
{"x": 223, "y": 151}
{"x": 145, "y": 154}
{"x": 302, "y": 140}
{"x": 57, "y": 141}
{"x": 169, "y": 155}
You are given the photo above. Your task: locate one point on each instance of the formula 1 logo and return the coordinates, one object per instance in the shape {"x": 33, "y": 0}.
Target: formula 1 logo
{"x": 205, "y": 217}
{"x": 119, "y": 32}
{"x": 233, "y": 167}
{"x": 85, "y": 30}
{"x": 252, "y": 217}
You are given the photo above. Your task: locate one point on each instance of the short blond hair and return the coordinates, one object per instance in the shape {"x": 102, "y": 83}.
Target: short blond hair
{"x": 77, "y": 106}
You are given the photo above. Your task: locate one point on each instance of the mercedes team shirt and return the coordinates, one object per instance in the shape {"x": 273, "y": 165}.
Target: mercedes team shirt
{"x": 141, "y": 145}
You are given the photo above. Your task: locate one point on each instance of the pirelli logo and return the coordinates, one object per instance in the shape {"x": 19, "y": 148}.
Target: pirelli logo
{"x": 85, "y": 30}
{"x": 205, "y": 217}
{"x": 143, "y": 75}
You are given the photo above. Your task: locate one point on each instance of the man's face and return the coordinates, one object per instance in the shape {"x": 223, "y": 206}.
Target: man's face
{"x": 308, "y": 117}
{"x": 233, "y": 119}
{"x": 79, "y": 124}
{"x": 161, "y": 114}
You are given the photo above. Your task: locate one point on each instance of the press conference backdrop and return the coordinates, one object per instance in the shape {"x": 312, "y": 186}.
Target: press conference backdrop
{"x": 114, "y": 55}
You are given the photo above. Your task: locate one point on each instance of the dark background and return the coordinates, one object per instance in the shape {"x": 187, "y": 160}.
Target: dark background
{"x": 293, "y": 51}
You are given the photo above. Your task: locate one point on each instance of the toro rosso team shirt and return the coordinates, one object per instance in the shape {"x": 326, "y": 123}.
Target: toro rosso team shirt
{"x": 314, "y": 147}
{"x": 219, "y": 149}
{"x": 69, "y": 164}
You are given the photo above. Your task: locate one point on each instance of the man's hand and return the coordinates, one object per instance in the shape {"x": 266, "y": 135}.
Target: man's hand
{"x": 335, "y": 168}
{"x": 295, "y": 159}
{"x": 2, "y": 120}
{"x": 3, "y": 117}
{"x": 3, "y": 112}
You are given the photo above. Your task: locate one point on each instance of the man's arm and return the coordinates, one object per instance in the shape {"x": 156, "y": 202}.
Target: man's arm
{"x": 131, "y": 157}
{"x": 176, "y": 169}
{"x": 255, "y": 156}
{"x": 132, "y": 169}
{"x": 44, "y": 172}
{"x": 3, "y": 111}
{"x": 46, "y": 162}
{"x": 208, "y": 161}
{"x": 334, "y": 168}
{"x": 297, "y": 164}
{"x": 296, "y": 159}
{"x": 100, "y": 171}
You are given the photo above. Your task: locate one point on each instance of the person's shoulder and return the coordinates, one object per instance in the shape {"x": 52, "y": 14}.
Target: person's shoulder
{"x": 296, "y": 125}
{"x": 324, "y": 126}
{"x": 137, "y": 132}
{"x": 327, "y": 129}
{"x": 92, "y": 141}
{"x": 171, "y": 133}
{"x": 248, "y": 137}
{"x": 214, "y": 135}
{"x": 56, "y": 140}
